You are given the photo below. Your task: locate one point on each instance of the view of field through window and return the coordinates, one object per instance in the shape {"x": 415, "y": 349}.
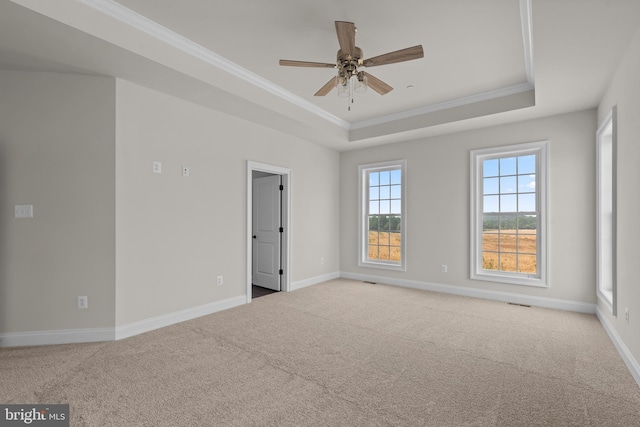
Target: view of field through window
{"x": 509, "y": 220}
{"x": 384, "y": 225}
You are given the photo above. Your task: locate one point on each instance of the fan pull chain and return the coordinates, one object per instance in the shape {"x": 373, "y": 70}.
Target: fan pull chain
{"x": 350, "y": 94}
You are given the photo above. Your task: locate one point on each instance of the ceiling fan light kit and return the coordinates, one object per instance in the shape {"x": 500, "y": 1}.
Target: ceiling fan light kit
{"x": 349, "y": 79}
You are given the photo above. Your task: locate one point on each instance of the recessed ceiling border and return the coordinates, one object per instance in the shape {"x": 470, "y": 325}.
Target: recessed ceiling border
{"x": 527, "y": 39}
{"x": 129, "y": 17}
{"x": 446, "y": 105}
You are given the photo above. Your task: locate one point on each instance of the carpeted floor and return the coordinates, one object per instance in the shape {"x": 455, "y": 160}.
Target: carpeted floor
{"x": 341, "y": 353}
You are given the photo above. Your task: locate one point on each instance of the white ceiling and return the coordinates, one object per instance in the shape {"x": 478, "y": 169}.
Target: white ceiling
{"x": 484, "y": 59}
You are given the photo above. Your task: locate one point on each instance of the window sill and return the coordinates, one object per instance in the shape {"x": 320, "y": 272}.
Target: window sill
{"x": 382, "y": 266}
{"x": 515, "y": 279}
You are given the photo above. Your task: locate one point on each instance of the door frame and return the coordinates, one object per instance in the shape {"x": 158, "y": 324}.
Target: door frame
{"x": 285, "y": 173}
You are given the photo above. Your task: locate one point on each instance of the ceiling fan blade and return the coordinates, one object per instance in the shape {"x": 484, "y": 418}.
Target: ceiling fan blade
{"x": 326, "y": 88}
{"x": 289, "y": 63}
{"x": 378, "y": 85}
{"x": 401, "y": 55}
{"x": 346, "y": 37}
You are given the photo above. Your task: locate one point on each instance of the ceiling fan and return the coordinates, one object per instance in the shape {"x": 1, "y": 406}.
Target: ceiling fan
{"x": 349, "y": 58}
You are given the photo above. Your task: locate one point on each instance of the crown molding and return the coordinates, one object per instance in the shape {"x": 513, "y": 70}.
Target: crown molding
{"x": 445, "y": 105}
{"x": 527, "y": 39}
{"x": 133, "y": 19}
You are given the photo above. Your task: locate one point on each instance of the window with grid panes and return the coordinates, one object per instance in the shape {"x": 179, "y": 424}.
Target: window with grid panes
{"x": 508, "y": 214}
{"x": 382, "y": 219}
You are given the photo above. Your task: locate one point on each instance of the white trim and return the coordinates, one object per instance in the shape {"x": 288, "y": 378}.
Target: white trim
{"x": 623, "y": 350}
{"x": 287, "y": 182}
{"x": 61, "y": 336}
{"x": 72, "y": 336}
{"x": 152, "y": 323}
{"x": 554, "y": 303}
{"x": 129, "y": 17}
{"x": 541, "y": 149}
{"x": 609, "y": 300}
{"x": 264, "y": 167}
{"x": 165, "y": 35}
{"x": 603, "y": 299}
{"x": 363, "y": 198}
{"x": 526, "y": 18}
{"x": 314, "y": 280}
{"x": 453, "y": 103}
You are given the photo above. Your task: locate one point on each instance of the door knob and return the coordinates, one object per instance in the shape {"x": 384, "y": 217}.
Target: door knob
{"x": 254, "y": 236}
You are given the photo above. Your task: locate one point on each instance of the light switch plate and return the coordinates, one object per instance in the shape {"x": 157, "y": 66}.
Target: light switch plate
{"x": 24, "y": 211}
{"x": 83, "y": 302}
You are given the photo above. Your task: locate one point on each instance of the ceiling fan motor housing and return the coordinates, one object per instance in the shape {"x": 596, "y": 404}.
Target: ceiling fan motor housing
{"x": 348, "y": 64}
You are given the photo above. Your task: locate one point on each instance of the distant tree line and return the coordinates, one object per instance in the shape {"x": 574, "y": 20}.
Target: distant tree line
{"x": 385, "y": 223}
{"x": 509, "y": 222}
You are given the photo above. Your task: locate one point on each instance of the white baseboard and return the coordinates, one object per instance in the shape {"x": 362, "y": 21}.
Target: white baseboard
{"x": 314, "y": 280}
{"x": 72, "y": 336}
{"x": 581, "y": 307}
{"x": 61, "y": 336}
{"x": 554, "y": 303}
{"x": 146, "y": 325}
{"x": 626, "y": 355}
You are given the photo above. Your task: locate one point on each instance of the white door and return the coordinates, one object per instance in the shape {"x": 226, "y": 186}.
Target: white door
{"x": 266, "y": 232}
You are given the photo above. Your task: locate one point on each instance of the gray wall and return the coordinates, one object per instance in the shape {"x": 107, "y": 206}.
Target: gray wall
{"x": 438, "y": 205}
{"x": 138, "y": 244}
{"x": 624, "y": 92}
{"x": 176, "y": 234}
{"x": 57, "y": 152}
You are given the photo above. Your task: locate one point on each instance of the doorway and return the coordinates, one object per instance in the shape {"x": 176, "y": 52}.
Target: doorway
{"x": 267, "y": 231}
{"x": 268, "y": 225}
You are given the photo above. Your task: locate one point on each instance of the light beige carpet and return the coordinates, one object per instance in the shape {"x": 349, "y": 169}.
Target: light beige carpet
{"x": 341, "y": 353}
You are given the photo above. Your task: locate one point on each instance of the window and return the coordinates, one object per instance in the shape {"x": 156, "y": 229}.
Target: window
{"x": 606, "y": 212}
{"x": 508, "y": 214}
{"x": 382, "y": 215}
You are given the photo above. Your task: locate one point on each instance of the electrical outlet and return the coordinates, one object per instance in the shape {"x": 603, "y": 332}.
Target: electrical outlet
{"x": 220, "y": 280}
{"x": 157, "y": 167}
{"x": 185, "y": 171}
{"x": 83, "y": 302}
{"x": 626, "y": 315}
{"x": 322, "y": 260}
{"x": 444, "y": 268}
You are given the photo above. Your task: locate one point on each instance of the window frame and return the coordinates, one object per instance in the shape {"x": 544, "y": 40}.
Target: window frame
{"x": 606, "y": 139}
{"x": 363, "y": 214}
{"x": 541, "y": 149}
